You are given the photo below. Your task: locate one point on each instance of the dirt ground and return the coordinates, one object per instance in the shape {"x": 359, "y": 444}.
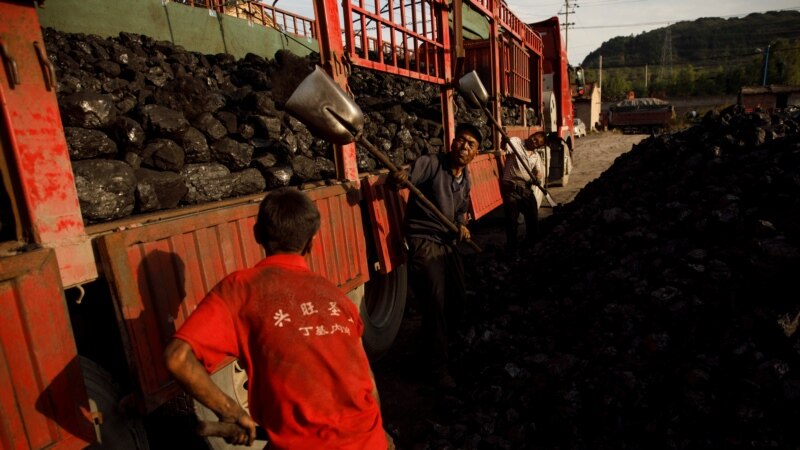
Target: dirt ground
{"x": 593, "y": 154}
{"x": 409, "y": 403}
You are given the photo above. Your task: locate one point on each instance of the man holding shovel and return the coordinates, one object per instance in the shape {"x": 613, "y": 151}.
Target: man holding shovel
{"x": 437, "y": 272}
{"x": 297, "y": 336}
{"x": 517, "y": 188}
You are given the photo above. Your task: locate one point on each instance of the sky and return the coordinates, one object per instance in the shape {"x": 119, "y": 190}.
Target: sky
{"x": 596, "y": 21}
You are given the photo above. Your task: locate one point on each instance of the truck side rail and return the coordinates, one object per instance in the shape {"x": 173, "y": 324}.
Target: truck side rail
{"x": 159, "y": 272}
{"x": 401, "y": 37}
{"x": 261, "y": 13}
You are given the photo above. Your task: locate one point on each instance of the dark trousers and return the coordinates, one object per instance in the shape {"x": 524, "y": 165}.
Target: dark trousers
{"x": 437, "y": 280}
{"x": 518, "y": 199}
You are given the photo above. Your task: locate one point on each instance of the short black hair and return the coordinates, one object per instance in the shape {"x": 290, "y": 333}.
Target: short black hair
{"x": 287, "y": 221}
{"x": 471, "y": 129}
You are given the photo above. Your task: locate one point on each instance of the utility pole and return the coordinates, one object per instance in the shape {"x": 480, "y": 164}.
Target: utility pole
{"x": 766, "y": 65}
{"x": 568, "y": 4}
{"x": 600, "y": 78}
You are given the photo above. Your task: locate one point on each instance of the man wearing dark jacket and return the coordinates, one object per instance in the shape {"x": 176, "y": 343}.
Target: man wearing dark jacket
{"x": 437, "y": 273}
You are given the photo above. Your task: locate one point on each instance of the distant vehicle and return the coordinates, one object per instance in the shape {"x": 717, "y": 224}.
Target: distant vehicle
{"x": 580, "y": 128}
{"x": 640, "y": 115}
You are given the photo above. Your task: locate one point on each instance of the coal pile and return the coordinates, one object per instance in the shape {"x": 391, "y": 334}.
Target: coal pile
{"x": 151, "y": 126}
{"x": 658, "y": 311}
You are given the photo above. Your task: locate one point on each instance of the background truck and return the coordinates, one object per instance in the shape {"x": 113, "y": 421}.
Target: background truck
{"x": 640, "y": 115}
{"x": 88, "y": 308}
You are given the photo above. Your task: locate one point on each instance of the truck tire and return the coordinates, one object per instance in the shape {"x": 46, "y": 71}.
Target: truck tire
{"x": 381, "y": 303}
{"x": 117, "y": 431}
{"x": 232, "y": 380}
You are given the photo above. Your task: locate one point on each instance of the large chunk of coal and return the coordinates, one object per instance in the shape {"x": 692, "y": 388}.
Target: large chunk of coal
{"x": 194, "y": 145}
{"x": 248, "y": 181}
{"x": 277, "y": 176}
{"x": 87, "y": 110}
{"x": 127, "y": 132}
{"x": 163, "y": 154}
{"x": 210, "y": 126}
{"x": 105, "y": 189}
{"x": 162, "y": 120}
{"x": 83, "y": 143}
{"x": 206, "y": 182}
{"x": 233, "y": 154}
{"x": 158, "y": 190}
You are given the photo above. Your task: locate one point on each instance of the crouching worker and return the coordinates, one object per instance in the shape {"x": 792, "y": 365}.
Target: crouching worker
{"x": 517, "y": 189}
{"x": 297, "y": 336}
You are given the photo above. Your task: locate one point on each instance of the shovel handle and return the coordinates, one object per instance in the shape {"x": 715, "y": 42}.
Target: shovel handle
{"x": 225, "y": 430}
{"x": 388, "y": 163}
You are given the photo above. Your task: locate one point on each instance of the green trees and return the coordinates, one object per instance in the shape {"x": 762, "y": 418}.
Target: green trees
{"x": 708, "y": 56}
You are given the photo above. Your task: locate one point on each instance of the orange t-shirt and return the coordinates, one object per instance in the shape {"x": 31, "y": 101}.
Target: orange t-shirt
{"x": 299, "y": 339}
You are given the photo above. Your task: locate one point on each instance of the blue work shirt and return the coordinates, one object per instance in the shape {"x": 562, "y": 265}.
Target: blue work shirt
{"x": 432, "y": 176}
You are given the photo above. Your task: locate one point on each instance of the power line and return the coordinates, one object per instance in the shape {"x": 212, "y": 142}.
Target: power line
{"x": 568, "y": 4}
{"x": 669, "y": 22}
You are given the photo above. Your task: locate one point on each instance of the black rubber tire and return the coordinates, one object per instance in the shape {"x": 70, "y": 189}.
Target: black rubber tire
{"x": 232, "y": 380}
{"x": 117, "y": 432}
{"x": 381, "y": 303}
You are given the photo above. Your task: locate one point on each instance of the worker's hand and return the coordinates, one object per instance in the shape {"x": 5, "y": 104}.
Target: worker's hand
{"x": 505, "y": 144}
{"x": 398, "y": 178}
{"x": 463, "y": 233}
{"x": 248, "y": 430}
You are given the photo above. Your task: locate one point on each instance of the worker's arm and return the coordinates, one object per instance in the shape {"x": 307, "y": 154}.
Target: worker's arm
{"x": 182, "y": 363}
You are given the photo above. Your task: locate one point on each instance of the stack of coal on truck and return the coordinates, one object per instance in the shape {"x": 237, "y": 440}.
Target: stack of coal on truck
{"x": 640, "y": 115}
{"x": 139, "y": 137}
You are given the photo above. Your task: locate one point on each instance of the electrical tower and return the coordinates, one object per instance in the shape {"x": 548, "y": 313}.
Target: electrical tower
{"x": 569, "y": 8}
{"x": 665, "y": 72}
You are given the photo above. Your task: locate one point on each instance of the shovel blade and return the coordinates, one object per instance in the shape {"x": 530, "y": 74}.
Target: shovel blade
{"x": 326, "y": 109}
{"x": 472, "y": 89}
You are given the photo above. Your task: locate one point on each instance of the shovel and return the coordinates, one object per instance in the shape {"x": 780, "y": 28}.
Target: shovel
{"x": 327, "y": 111}
{"x": 475, "y": 94}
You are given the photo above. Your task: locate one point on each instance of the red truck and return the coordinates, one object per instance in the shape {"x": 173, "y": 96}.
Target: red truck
{"x": 88, "y": 309}
{"x": 640, "y": 115}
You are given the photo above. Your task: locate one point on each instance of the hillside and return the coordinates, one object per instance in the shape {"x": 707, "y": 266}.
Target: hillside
{"x": 705, "y": 41}
{"x": 705, "y": 57}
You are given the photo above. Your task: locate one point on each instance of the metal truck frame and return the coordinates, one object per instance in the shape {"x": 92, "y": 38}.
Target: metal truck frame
{"x": 86, "y": 305}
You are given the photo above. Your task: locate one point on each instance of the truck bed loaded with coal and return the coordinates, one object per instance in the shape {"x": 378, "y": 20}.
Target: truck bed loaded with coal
{"x": 138, "y": 138}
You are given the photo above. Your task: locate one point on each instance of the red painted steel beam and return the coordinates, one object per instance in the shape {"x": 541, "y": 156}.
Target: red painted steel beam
{"x": 331, "y": 50}
{"x": 37, "y": 155}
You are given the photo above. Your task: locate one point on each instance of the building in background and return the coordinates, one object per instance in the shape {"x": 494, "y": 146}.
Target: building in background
{"x": 587, "y": 107}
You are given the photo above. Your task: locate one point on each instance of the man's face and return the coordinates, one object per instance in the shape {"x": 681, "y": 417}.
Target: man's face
{"x": 535, "y": 141}
{"x": 464, "y": 148}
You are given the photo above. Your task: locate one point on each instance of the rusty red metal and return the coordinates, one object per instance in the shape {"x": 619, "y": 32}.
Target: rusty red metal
{"x": 272, "y": 17}
{"x": 159, "y": 272}
{"x": 484, "y": 172}
{"x": 43, "y": 400}
{"x": 37, "y": 157}
{"x": 332, "y": 59}
{"x": 386, "y": 213}
{"x": 403, "y": 37}
{"x": 515, "y": 64}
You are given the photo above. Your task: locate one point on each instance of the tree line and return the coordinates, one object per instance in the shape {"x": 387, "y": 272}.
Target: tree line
{"x": 708, "y": 56}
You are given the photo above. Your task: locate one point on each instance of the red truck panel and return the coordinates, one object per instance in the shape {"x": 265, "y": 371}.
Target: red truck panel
{"x": 387, "y": 209}
{"x": 159, "y": 272}
{"x": 37, "y": 155}
{"x": 484, "y": 172}
{"x": 43, "y": 399}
